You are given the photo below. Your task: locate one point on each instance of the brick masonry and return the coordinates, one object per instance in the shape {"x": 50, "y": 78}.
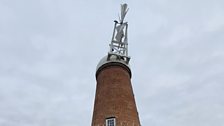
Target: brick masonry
{"x": 114, "y": 97}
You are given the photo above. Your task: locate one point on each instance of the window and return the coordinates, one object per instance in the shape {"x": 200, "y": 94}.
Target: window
{"x": 111, "y": 121}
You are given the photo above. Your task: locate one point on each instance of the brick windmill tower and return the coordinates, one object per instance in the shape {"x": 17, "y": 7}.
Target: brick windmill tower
{"x": 114, "y": 100}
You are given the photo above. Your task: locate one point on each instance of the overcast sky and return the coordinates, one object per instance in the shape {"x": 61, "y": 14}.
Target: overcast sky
{"x": 49, "y": 50}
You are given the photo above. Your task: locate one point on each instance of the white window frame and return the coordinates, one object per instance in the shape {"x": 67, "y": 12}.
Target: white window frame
{"x": 110, "y": 119}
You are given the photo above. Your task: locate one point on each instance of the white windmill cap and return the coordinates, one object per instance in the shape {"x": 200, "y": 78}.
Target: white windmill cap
{"x": 112, "y": 61}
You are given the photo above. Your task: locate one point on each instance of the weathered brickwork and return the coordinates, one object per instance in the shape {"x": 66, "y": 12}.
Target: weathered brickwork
{"x": 114, "y": 97}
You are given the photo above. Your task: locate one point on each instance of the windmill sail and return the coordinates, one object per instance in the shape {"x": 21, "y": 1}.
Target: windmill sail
{"x": 124, "y": 10}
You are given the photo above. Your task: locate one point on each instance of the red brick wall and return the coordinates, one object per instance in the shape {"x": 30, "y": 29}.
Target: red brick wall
{"x": 114, "y": 97}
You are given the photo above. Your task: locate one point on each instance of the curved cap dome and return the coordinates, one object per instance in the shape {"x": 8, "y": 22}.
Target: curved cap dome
{"x": 111, "y": 60}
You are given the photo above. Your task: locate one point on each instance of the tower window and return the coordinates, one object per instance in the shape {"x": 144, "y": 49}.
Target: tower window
{"x": 111, "y": 121}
